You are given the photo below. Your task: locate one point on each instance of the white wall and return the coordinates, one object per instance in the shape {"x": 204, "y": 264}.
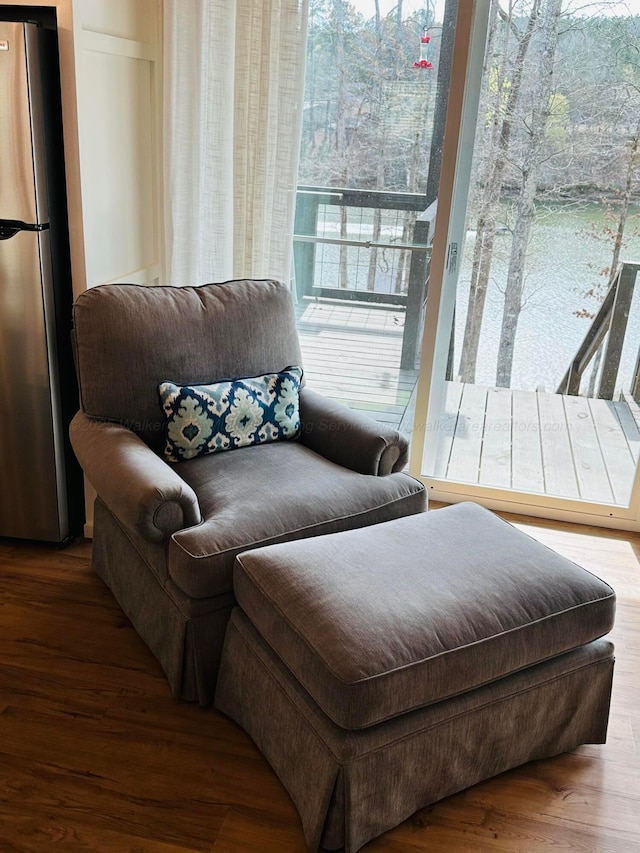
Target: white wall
{"x": 117, "y": 56}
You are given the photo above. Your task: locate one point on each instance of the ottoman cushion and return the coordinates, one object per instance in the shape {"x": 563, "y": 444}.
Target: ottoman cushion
{"x": 382, "y": 620}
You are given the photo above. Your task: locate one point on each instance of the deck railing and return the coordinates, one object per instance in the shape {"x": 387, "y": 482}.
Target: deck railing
{"x": 366, "y": 245}
{"x": 606, "y": 334}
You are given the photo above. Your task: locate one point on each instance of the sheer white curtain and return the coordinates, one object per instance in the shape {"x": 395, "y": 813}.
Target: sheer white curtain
{"x": 233, "y": 84}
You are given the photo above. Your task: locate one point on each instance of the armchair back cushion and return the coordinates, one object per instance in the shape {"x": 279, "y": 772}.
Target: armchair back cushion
{"x": 129, "y": 338}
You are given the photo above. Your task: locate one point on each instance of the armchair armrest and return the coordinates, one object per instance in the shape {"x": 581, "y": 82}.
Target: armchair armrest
{"x": 348, "y": 438}
{"x": 141, "y": 490}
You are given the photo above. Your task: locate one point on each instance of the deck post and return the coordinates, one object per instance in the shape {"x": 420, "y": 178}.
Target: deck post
{"x": 617, "y": 331}
{"x": 635, "y": 383}
{"x": 416, "y": 289}
{"x": 571, "y": 382}
{"x": 304, "y": 254}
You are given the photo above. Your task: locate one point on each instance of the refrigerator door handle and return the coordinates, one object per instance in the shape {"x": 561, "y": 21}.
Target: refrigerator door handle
{"x": 10, "y": 227}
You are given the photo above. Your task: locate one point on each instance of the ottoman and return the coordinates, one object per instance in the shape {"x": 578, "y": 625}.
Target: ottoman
{"x": 382, "y": 669}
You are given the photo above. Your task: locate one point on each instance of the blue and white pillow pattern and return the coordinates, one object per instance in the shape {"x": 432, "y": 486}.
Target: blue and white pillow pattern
{"x": 202, "y": 419}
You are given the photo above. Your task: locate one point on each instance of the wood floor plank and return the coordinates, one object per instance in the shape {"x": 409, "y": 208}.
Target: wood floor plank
{"x": 110, "y": 796}
{"x": 495, "y": 462}
{"x": 246, "y": 830}
{"x": 359, "y": 380}
{"x": 557, "y": 458}
{"x": 385, "y": 393}
{"x": 615, "y": 449}
{"x": 630, "y": 425}
{"x": 352, "y": 355}
{"x": 480, "y": 820}
{"x": 634, "y": 408}
{"x": 323, "y": 352}
{"x": 464, "y": 462}
{"x": 54, "y": 828}
{"x": 591, "y": 471}
{"x": 526, "y": 450}
{"x": 353, "y": 334}
{"x": 444, "y": 430}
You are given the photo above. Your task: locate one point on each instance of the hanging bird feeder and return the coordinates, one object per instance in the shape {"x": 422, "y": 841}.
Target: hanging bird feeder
{"x": 425, "y": 41}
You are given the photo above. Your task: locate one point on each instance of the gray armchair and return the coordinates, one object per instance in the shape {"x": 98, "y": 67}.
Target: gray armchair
{"x": 166, "y": 535}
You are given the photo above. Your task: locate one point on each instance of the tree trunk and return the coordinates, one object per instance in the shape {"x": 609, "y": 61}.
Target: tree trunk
{"x": 377, "y": 228}
{"x": 311, "y": 87}
{"x": 341, "y": 136}
{"x": 402, "y": 273}
{"x": 377, "y": 213}
{"x": 344, "y": 258}
{"x": 632, "y": 163}
{"x": 525, "y": 204}
{"x": 524, "y": 216}
{"x": 441, "y": 99}
{"x": 494, "y": 162}
{"x": 626, "y": 200}
{"x": 409, "y": 218}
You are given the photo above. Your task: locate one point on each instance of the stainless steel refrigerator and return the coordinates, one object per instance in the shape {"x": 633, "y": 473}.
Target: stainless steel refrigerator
{"x": 40, "y": 492}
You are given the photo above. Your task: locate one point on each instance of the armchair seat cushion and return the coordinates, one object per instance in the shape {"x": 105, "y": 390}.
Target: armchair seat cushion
{"x": 274, "y": 493}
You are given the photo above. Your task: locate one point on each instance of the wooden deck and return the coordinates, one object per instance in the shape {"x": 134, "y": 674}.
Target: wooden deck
{"x": 564, "y": 446}
{"x": 551, "y": 444}
{"x": 351, "y": 353}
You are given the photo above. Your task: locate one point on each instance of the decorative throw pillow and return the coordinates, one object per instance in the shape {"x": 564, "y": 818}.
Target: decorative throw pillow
{"x": 203, "y": 419}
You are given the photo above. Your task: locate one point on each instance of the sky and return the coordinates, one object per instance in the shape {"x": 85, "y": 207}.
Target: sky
{"x": 607, "y": 7}
{"x": 367, "y": 7}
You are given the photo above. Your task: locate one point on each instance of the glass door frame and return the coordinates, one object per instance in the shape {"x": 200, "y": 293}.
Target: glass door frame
{"x": 448, "y": 243}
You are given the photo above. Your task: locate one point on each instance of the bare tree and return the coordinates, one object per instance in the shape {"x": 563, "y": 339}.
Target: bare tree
{"x": 341, "y": 131}
{"x": 380, "y": 170}
{"x": 625, "y": 202}
{"x": 525, "y": 203}
{"x": 410, "y": 216}
{"x": 502, "y": 100}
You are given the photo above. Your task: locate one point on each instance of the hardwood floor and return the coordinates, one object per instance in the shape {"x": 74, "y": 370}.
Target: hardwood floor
{"x": 96, "y": 756}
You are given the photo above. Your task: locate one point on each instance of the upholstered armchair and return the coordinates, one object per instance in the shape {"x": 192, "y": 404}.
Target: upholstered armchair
{"x": 166, "y": 532}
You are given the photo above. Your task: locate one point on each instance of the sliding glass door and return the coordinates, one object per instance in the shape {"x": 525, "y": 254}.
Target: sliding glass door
{"x": 529, "y": 385}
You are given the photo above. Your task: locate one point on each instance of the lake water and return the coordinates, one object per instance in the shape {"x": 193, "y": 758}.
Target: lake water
{"x": 563, "y": 262}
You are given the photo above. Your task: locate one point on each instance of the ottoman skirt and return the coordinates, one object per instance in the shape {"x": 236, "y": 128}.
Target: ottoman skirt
{"x": 350, "y": 786}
